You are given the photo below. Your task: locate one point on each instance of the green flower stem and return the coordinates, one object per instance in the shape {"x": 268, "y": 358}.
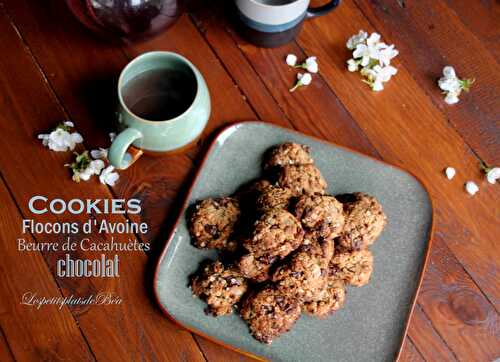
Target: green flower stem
{"x": 465, "y": 84}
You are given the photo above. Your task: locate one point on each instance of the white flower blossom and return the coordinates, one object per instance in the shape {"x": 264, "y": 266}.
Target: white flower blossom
{"x": 302, "y": 80}
{"x": 83, "y": 167}
{"x": 69, "y": 124}
{"x": 471, "y": 187}
{"x": 452, "y": 86}
{"x": 94, "y": 168}
{"x": 305, "y": 79}
{"x": 378, "y": 75}
{"x": 366, "y": 53}
{"x": 450, "y": 172}
{"x": 373, "y": 57}
{"x": 370, "y": 50}
{"x": 108, "y": 177}
{"x": 311, "y": 65}
{"x": 101, "y": 153}
{"x": 291, "y": 60}
{"x": 352, "y": 65}
{"x": 493, "y": 174}
{"x": 385, "y": 55}
{"x": 60, "y": 140}
{"x": 354, "y": 40}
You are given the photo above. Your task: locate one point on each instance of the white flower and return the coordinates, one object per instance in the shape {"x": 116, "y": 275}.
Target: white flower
{"x": 450, "y": 172}
{"x": 94, "y": 168}
{"x": 291, "y": 60}
{"x": 302, "y": 80}
{"x": 493, "y": 175}
{"x": 305, "y": 79}
{"x": 452, "y": 86}
{"x": 354, "y": 40}
{"x": 112, "y": 136}
{"x": 311, "y": 65}
{"x": 471, "y": 187}
{"x": 60, "y": 140}
{"x": 374, "y": 57}
{"x": 373, "y": 39}
{"x": 69, "y": 124}
{"x": 108, "y": 177}
{"x": 101, "y": 153}
{"x": 378, "y": 75}
{"x": 366, "y": 53}
{"x": 386, "y": 54}
{"x": 83, "y": 167}
{"x": 352, "y": 65}
{"x": 370, "y": 50}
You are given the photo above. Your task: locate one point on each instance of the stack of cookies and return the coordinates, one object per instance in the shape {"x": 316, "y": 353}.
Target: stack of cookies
{"x": 289, "y": 248}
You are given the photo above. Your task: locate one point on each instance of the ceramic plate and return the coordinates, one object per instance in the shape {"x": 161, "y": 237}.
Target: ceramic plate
{"x": 372, "y": 323}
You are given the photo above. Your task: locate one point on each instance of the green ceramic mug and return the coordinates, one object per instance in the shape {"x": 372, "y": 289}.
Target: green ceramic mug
{"x": 155, "y": 124}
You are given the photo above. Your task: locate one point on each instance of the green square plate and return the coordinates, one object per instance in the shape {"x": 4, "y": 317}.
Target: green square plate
{"x": 372, "y": 323}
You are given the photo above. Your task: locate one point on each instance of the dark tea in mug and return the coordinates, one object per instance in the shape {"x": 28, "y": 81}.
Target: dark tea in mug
{"x": 160, "y": 94}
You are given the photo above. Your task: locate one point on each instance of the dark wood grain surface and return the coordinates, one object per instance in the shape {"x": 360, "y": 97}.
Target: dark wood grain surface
{"x": 51, "y": 69}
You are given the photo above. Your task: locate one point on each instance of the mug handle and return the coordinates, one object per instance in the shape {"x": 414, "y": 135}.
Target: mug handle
{"x": 322, "y": 10}
{"x": 118, "y": 155}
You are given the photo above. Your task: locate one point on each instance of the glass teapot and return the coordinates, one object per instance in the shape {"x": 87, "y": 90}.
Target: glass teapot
{"x": 127, "y": 20}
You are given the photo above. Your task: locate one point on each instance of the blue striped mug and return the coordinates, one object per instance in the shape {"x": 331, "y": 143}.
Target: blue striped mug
{"x": 271, "y": 23}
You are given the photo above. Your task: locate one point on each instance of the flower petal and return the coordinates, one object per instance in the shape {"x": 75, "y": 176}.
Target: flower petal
{"x": 101, "y": 153}
{"x": 449, "y": 72}
{"x": 451, "y": 98}
{"x": 450, "y": 172}
{"x": 291, "y": 60}
{"x": 471, "y": 187}
{"x": 306, "y": 79}
{"x": 493, "y": 175}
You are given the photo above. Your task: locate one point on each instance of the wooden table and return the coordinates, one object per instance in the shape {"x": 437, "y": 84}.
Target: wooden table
{"x": 52, "y": 69}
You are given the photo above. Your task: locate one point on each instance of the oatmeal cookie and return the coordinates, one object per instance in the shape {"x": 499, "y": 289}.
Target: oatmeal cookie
{"x": 302, "y": 179}
{"x": 364, "y": 220}
{"x": 277, "y": 233}
{"x": 327, "y": 302}
{"x": 269, "y": 314}
{"x": 305, "y": 276}
{"x": 354, "y": 266}
{"x": 321, "y": 215}
{"x": 273, "y": 197}
{"x": 213, "y": 221}
{"x": 220, "y": 287}
{"x": 288, "y": 154}
{"x": 256, "y": 269}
